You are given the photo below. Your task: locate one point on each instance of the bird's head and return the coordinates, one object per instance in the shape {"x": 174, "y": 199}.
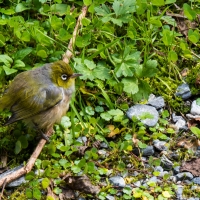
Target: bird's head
{"x": 62, "y": 74}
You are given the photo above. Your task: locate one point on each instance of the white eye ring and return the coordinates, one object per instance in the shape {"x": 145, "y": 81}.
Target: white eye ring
{"x": 64, "y": 77}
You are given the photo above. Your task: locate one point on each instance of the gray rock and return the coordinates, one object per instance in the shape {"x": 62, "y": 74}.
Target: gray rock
{"x": 183, "y": 91}
{"x": 109, "y": 197}
{"x": 17, "y": 182}
{"x": 148, "y": 151}
{"x": 176, "y": 170}
{"x": 141, "y": 111}
{"x": 160, "y": 145}
{"x": 82, "y": 139}
{"x": 158, "y": 169}
{"x": 157, "y": 102}
{"x": 103, "y": 145}
{"x": 175, "y": 117}
{"x": 179, "y": 192}
{"x": 195, "y": 109}
{"x": 137, "y": 184}
{"x": 196, "y": 180}
{"x": 184, "y": 176}
{"x": 166, "y": 163}
{"x": 193, "y": 198}
{"x": 117, "y": 181}
{"x": 181, "y": 124}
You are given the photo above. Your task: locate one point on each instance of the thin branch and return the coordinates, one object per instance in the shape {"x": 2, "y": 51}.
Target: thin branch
{"x": 68, "y": 54}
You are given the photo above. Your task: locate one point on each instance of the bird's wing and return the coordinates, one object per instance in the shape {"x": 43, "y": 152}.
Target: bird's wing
{"x": 35, "y": 102}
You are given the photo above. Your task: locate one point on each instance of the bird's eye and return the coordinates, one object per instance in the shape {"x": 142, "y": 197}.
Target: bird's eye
{"x": 64, "y": 77}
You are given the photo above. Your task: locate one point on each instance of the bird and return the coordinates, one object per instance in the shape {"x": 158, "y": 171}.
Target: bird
{"x": 40, "y": 97}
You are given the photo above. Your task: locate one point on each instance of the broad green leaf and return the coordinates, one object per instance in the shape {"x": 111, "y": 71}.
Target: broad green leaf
{"x": 101, "y": 72}
{"x": 115, "y": 112}
{"x": 65, "y": 122}
{"x": 123, "y": 69}
{"x": 87, "y": 2}
{"x": 150, "y": 69}
{"x": 87, "y": 73}
{"x": 64, "y": 35}
{"x": 7, "y": 11}
{"x": 172, "y": 56}
{"x": 106, "y": 116}
{"x": 21, "y": 54}
{"x": 85, "y": 21}
{"x": 42, "y": 53}
{"x": 89, "y": 110}
{"x": 83, "y": 41}
{"x": 166, "y": 194}
{"x": 158, "y": 2}
{"x": 45, "y": 183}
{"x": 29, "y": 193}
{"x": 196, "y": 131}
{"x": 18, "y": 147}
{"x": 2, "y": 40}
{"x": 21, "y": 7}
{"x": 56, "y": 22}
{"x": 169, "y": 20}
{"x": 70, "y": 21}
{"x": 9, "y": 70}
{"x": 193, "y": 36}
{"x": 37, "y": 193}
{"x": 57, "y": 190}
{"x": 18, "y": 64}
{"x": 59, "y": 9}
{"x": 155, "y": 21}
{"x": 167, "y": 37}
{"x": 144, "y": 91}
{"x": 188, "y": 12}
{"x": 141, "y": 6}
{"x": 198, "y": 101}
{"x": 26, "y": 36}
{"x": 102, "y": 10}
{"x": 90, "y": 64}
{"x": 130, "y": 85}
{"x": 169, "y": 1}
{"x": 24, "y": 142}
{"x": 75, "y": 169}
{"x": 6, "y": 59}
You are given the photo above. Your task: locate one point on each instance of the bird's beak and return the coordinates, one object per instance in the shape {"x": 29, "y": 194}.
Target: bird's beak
{"x": 74, "y": 75}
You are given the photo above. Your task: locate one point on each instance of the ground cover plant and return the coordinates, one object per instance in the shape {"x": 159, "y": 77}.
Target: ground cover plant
{"x": 126, "y": 50}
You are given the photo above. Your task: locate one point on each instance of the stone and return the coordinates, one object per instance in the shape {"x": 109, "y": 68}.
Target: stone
{"x": 183, "y": 91}
{"x": 117, "y": 181}
{"x": 140, "y": 111}
{"x": 157, "y": 102}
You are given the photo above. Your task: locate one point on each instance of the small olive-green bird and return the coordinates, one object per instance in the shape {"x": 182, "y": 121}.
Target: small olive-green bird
{"x": 40, "y": 97}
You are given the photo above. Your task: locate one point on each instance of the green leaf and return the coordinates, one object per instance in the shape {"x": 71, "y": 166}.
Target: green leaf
{"x": 7, "y": 60}
{"x": 198, "y": 101}
{"x": 29, "y": 193}
{"x": 172, "y": 56}
{"x": 150, "y": 68}
{"x": 106, "y": 116}
{"x": 193, "y": 36}
{"x": 65, "y": 122}
{"x": 64, "y": 163}
{"x": 36, "y": 193}
{"x": 8, "y": 70}
{"x": 87, "y": 2}
{"x": 18, "y": 64}
{"x": 101, "y": 72}
{"x": 75, "y": 169}
{"x": 45, "y": 183}
{"x": 87, "y": 73}
{"x": 18, "y": 147}
{"x": 188, "y": 12}
{"x": 85, "y": 21}
{"x": 57, "y": 190}
{"x": 158, "y": 2}
{"x": 56, "y": 22}
{"x": 167, "y": 37}
{"x": 155, "y": 21}
{"x": 169, "y": 1}
{"x": 24, "y": 142}
{"x": 130, "y": 85}
{"x": 169, "y": 20}
{"x": 196, "y": 131}
{"x": 83, "y": 41}
{"x": 42, "y": 53}
{"x": 21, "y": 54}
{"x": 90, "y": 64}
{"x": 59, "y": 9}
{"x": 21, "y": 7}
{"x": 89, "y": 110}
